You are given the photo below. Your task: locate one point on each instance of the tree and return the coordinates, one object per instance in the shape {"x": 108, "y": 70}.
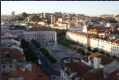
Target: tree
{"x": 83, "y": 52}
{"x": 95, "y": 50}
{"x": 89, "y": 48}
{"x": 79, "y": 50}
{"x": 107, "y": 55}
{"x": 24, "y": 15}
{"x": 112, "y": 21}
{"x": 36, "y": 18}
{"x": 75, "y": 48}
{"x": 87, "y": 54}
{"x": 25, "y": 44}
{"x": 102, "y": 52}
{"x": 114, "y": 56}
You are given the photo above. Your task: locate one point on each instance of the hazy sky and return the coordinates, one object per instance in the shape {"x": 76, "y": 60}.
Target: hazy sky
{"x": 78, "y": 7}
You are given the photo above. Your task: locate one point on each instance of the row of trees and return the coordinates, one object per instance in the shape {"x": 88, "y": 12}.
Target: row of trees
{"x": 28, "y": 52}
{"x": 102, "y": 52}
{"x": 50, "y": 57}
{"x": 62, "y": 42}
{"x": 67, "y": 40}
{"x": 25, "y": 44}
{"x": 80, "y": 50}
{"x": 35, "y": 43}
{"x": 30, "y": 55}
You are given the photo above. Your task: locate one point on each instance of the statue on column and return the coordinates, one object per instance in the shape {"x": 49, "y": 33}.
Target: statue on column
{"x": 55, "y": 48}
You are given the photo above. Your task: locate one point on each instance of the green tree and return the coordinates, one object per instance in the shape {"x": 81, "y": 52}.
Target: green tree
{"x": 83, "y": 52}
{"x": 24, "y": 15}
{"x": 114, "y": 56}
{"x": 102, "y": 52}
{"x": 75, "y": 48}
{"x": 87, "y": 54}
{"x": 89, "y": 48}
{"x": 36, "y": 18}
{"x": 112, "y": 21}
{"x": 107, "y": 55}
{"x": 79, "y": 50}
{"x": 95, "y": 50}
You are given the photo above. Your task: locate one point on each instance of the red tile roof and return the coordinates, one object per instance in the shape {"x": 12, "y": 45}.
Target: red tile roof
{"x": 75, "y": 67}
{"x": 114, "y": 75}
{"x": 94, "y": 55}
{"x": 3, "y": 77}
{"x": 90, "y": 76}
{"x": 13, "y": 53}
{"x": 35, "y": 74}
{"x": 105, "y": 60}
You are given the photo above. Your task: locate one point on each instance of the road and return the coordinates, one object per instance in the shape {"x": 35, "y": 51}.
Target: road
{"x": 46, "y": 68}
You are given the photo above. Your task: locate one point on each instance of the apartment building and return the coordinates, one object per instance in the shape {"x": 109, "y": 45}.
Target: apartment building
{"x": 97, "y": 37}
{"x": 107, "y": 44}
{"x": 28, "y": 71}
{"x": 10, "y": 57}
{"x": 80, "y": 37}
{"x": 4, "y": 27}
{"x": 77, "y": 71}
{"x": 100, "y": 62}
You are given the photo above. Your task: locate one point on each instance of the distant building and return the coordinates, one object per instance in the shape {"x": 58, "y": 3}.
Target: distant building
{"x": 13, "y": 13}
{"x": 27, "y": 71}
{"x": 5, "y": 27}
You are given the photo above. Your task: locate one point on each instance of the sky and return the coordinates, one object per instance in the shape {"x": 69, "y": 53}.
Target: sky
{"x": 79, "y": 7}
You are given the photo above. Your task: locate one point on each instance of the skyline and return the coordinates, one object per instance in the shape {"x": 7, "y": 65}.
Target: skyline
{"x": 88, "y": 8}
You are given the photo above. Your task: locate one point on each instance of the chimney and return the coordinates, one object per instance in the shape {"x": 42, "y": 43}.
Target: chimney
{"x": 88, "y": 58}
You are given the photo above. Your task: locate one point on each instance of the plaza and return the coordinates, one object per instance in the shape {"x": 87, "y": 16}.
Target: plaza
{"x": 64, "y": 52}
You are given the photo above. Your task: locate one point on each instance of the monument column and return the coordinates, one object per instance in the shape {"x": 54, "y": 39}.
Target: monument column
{"x": 55, "y": 48}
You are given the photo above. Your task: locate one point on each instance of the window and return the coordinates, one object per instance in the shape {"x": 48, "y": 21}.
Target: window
{"x": 6, "y": 60}
{"x": 10, "y": 66}
{"x": 3, "y": 71}
{"x": 2, "y": 60}
{"x": 3, "y": 66}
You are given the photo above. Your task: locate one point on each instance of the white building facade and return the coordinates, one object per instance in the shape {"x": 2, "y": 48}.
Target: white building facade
{"x": 4, "y": 27}
{"x": 39, "y": 34}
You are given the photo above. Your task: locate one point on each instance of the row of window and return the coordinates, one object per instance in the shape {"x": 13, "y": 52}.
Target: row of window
{"x": 8, "y": 60}
{"x": 9, "y": 66}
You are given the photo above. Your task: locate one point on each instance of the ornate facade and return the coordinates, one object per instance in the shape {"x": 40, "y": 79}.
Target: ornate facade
{"x": 39, "y": 34}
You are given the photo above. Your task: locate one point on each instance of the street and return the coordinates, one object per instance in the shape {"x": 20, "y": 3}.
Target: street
{"x": 46, "y": 68}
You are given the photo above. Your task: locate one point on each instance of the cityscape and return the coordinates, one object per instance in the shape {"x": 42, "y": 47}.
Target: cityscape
{"x": 58, "y": 41}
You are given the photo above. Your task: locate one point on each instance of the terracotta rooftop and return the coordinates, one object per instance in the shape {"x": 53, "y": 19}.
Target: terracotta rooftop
{"x": 13, "y": 53}
{"x": 3, "y": 77}
{"x": 35, "y": 74}
{"x": 90, "y": 76}
{"x": 117, "y": 58}
{"x": 114, "y": 75}
{"x": 100, "y": 28}
{"x": 94, "y": 55}
{"x": 105, "y": 60}
{"x": 75, "y": 67}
